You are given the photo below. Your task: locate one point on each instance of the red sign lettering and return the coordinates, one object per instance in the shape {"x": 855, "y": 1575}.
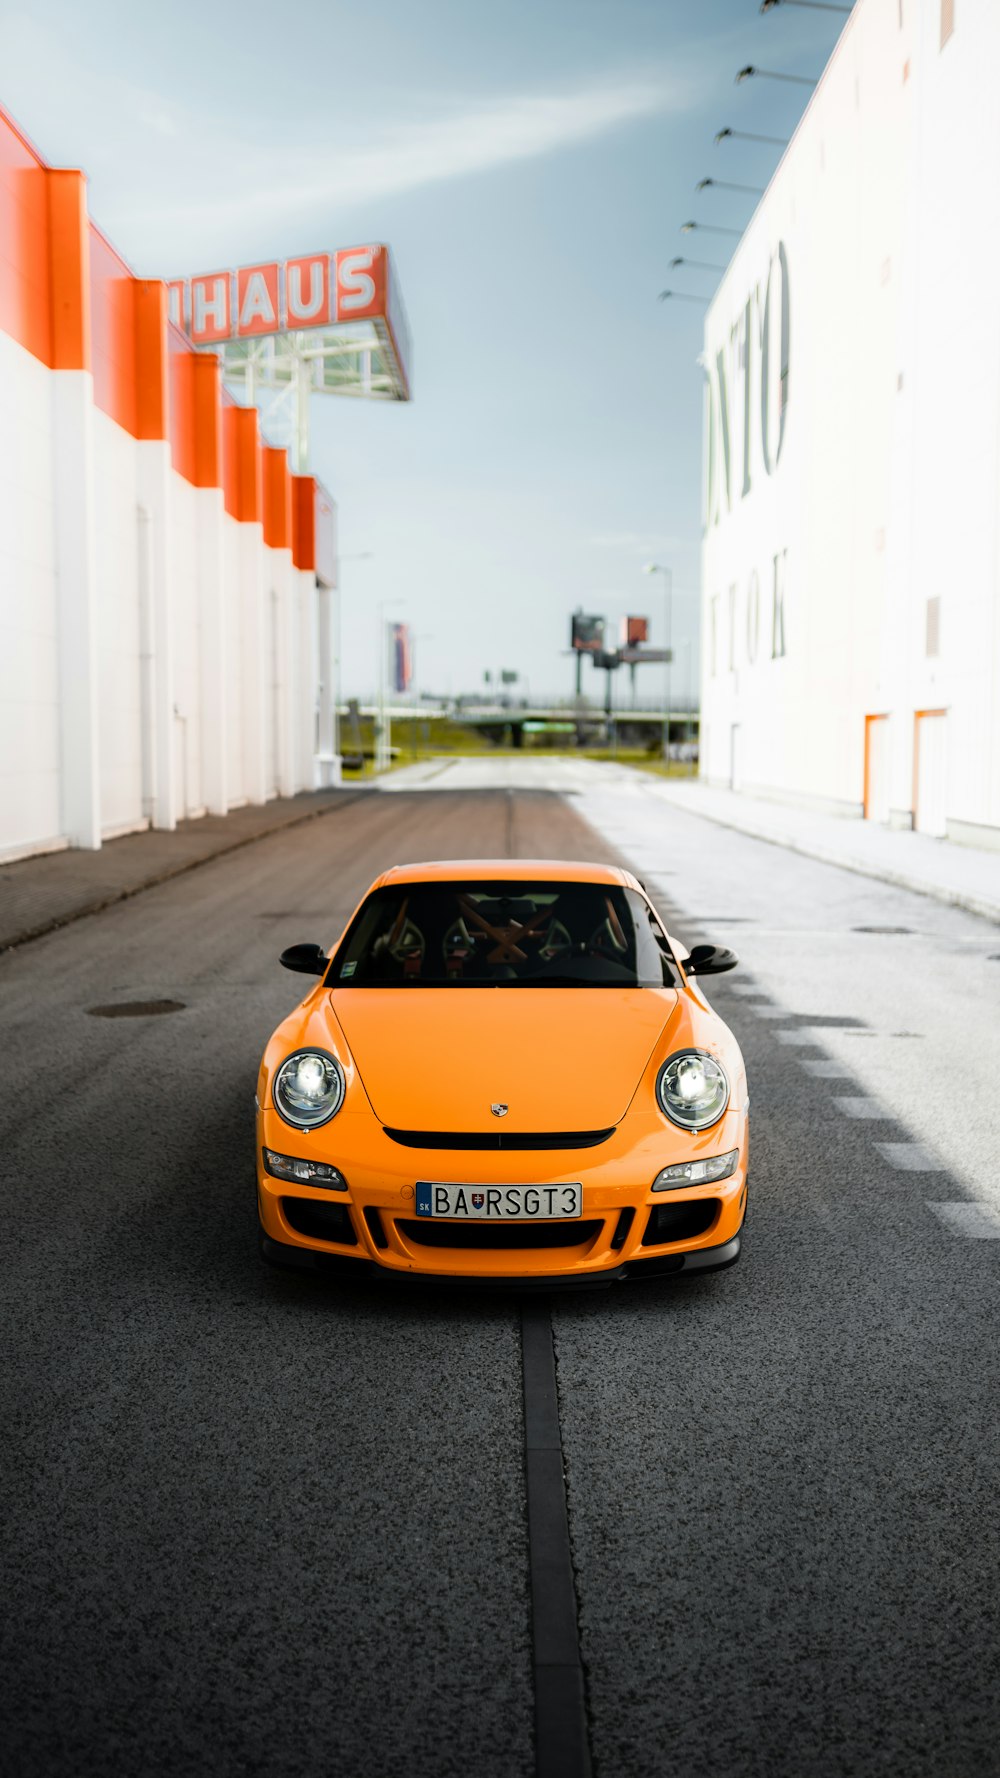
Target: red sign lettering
{"x": 360, "y": 282}
{"x": 211, "y": 317}
{"x": 307, "y": 292}
{"x": 256, "y": 299}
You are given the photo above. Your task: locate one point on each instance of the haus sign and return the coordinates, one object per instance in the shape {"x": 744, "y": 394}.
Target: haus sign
{"x": 283, "y": 295}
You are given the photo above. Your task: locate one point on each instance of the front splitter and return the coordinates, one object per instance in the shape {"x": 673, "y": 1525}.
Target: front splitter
{"x": 654, "y": 1266}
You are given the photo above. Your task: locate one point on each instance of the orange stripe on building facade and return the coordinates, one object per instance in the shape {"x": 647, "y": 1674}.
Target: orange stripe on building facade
{"x": 241, "y": 464}
{"x": 277, "y": 499}
{"x": 70, "y": 300}
{"x": 69, "y": 270}
{"x": 25, "y": 277}
{"x": 304, "y": 502}
{"x": 152, "y": 392}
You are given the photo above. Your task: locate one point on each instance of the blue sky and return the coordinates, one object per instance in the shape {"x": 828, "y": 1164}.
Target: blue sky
{"x": 530, "y": 165}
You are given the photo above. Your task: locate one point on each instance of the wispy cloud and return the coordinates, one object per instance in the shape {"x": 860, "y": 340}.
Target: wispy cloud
{"x": 427, "y": 150}
{"x": 172, "y": 175}
{"x": 519, "y": 127}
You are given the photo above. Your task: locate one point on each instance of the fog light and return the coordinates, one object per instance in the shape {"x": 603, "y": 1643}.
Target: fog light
{"x": 697, "y": 1172}
{"x": 288, "y": 1166}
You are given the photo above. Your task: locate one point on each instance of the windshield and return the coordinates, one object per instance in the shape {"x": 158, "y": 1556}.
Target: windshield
{"x": 503, "y": 935}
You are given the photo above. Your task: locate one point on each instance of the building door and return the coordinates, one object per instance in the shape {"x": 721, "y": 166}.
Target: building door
{"x": 735, "y": 775}
{"x": 876, "y": 768}
{"x": 930, "y": 772}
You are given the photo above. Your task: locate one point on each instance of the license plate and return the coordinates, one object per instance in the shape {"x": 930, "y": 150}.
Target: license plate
{"x": 500, "y": 1203}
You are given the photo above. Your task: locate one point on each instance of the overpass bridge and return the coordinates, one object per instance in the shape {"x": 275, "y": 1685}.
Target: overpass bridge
{"x": 541, "y": 723}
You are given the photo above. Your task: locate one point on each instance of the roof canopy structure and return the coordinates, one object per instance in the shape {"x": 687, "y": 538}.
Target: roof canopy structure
{"x": 326, "y": 322}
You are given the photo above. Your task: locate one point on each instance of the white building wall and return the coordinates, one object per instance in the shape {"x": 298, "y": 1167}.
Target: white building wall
{"x": 948, "y": 523}
{"x": 307, "y": 687}
{"x": 186, "y": 626}
{"x": 116, "y": 536}
{"x": 30, "y": 814}
{"x": 156, "y": 658}
{"x": 237, "y": 788}
{"x": 257, "y": 666}
{"x": 884, "y": 490}
{"x": 284, "y": 653}
{"x": 154, "y": 477}
{"x": 213, "y": 672}
{"x": 71, "y": 393}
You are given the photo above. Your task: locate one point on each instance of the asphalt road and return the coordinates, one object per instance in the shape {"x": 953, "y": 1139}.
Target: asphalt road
{"x": 253, "y": 1524}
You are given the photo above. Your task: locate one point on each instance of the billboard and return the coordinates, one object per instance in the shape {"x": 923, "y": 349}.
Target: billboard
{"x": 402, "y": 657}
{"x": 635, "y": 630}
{"x": 288, "y": 296}
{"x": 281, "y": 295}
{"x": 587, "y": 634}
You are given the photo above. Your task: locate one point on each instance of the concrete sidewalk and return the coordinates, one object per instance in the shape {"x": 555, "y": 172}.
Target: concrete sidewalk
{"x": 962, "y": 876}
{"x": 39, "y": 894}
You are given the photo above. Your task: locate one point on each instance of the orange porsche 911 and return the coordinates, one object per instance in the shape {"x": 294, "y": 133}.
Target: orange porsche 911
{"x": 506, "y": 1072}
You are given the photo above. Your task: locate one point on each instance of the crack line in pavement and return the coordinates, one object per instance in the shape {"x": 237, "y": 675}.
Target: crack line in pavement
{"x": 562, "y": 1745}
{"x": 562, "y": 1748}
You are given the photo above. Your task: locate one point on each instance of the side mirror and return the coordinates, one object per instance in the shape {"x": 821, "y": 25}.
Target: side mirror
{"x": 306, "y": 959}
{"x": 710, "y": 960}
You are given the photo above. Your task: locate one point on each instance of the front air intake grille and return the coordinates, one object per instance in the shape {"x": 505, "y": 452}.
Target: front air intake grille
{"x": 624, "y": 1223}
{"x": 375, "y": 1228}
{"x": 680, "y": 1222}
{"x": 509, "y": 1139}
{"x": 491, "y": 1236}
{"x": 321, "y": 1222}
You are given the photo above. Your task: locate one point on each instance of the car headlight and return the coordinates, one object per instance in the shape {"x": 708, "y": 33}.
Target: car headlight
{"x": 290, "y": 1166}
{"x": 720, "y": 1166}
{"x": 692, "y": 1089}
{"x": 309, "y": 1089}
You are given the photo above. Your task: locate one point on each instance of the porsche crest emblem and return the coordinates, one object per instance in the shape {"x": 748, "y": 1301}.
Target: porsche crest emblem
{"x": 499, "y": 1110}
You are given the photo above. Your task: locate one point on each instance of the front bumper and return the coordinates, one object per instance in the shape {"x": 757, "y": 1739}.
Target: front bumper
{"x": 372, "y": 1226}
{"x": 333, "y": 1264}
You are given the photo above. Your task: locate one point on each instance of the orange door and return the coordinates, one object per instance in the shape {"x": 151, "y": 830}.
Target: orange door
{"x": 876, "y": 792}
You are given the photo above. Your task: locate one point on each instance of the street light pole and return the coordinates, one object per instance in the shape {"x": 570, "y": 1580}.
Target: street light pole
{"x": 668, "y": 585}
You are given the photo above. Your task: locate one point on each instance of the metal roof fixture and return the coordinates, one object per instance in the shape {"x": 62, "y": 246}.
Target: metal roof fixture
{"x": 750, "y": 72}
{"x": 709, "y": 228}
{"x": 727, "y": 134}
{"x": 756, "y": 191}
{"x": 810, "y": 5}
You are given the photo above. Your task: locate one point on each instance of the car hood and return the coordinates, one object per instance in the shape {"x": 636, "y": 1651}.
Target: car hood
{"x": 558, "y": 1058}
